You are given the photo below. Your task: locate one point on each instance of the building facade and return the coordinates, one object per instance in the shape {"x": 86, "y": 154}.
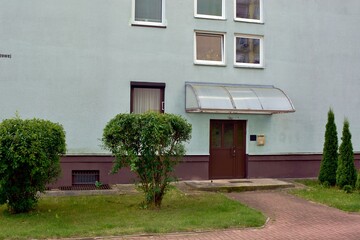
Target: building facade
{"x": 255, "y": 78}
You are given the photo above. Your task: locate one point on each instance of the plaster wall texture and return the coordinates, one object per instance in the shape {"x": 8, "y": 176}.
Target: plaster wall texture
{"x": 72, "y": 63}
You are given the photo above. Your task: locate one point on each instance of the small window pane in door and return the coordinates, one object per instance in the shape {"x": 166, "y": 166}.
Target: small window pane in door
{"x": 240, "y": 136}
{"x": 228, "y": 135}
{"x": 147, "y": 99}
{"x": 216, "y": 135}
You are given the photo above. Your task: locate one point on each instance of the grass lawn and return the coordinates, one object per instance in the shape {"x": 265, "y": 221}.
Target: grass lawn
{"x": 90, "y": 216}
{"x": 332, "y": 196}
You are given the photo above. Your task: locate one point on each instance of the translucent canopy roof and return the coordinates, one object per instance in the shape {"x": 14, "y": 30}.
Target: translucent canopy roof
{"x": 234, "y": 98}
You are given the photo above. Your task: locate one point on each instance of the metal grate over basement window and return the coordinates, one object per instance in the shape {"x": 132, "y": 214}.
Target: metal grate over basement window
{"x": 80, "y": 177}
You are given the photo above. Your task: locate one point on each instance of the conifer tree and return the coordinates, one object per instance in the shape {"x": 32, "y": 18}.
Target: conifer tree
{"x": 330, "y": 152}
{"x": 346, "y": 172}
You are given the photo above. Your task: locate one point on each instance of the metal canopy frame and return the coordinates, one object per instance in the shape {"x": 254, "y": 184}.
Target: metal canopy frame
{"x": 236, "y": 98}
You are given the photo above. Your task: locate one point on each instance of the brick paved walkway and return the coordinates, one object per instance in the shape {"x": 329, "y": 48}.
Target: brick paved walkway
{"x": 291, "y": 218}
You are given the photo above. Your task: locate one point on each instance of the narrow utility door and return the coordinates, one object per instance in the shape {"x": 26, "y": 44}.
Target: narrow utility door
{"x": 227, "y": 149}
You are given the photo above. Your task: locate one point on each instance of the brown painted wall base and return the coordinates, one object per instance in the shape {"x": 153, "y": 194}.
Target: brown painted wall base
{"x": 287, "y": 166}
{"x": 283, "y": 166}
{"x": 190, "y": 168}
{"x": 197, "y": 167}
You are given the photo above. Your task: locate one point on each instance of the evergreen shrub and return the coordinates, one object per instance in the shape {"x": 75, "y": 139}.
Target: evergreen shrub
{"x": 346, "y": 173}
{"x": 329, "y": 161}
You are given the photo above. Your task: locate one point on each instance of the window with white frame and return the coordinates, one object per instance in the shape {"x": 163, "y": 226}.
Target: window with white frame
{"x": 147, "y": 96}
{"x": 214, "y": 9}
{"x": 248, "y": 51}
{"x": 149, "y": 12}
{"x": 248, "y": 10}
{"x": 209, "y": 48}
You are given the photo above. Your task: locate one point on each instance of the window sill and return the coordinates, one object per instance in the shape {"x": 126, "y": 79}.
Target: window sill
{"x": 244, "y": 20}
{"x": 208, "y": 17}
{"x": 148, "y": 24}
{"x": 249, "y": 66}
{"x": 211, "y": 64}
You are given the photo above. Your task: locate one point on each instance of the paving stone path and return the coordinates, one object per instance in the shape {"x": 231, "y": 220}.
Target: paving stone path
{"x": 290, "y": 218}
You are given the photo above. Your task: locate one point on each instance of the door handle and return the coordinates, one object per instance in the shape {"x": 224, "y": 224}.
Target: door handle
{"x": 234, "y": 152}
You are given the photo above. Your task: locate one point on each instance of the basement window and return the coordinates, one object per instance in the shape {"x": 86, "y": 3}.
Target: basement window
{"x": 80, "y": 177}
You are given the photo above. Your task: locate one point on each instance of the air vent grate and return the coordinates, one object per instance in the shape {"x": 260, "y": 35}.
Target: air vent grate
{"x": 80, "y": 177}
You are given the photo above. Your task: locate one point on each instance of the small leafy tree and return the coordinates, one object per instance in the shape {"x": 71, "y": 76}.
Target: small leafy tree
{"x": 330, "y": 152}
{"x": 151, "y": 145}
{"x": 346, "y": 172}
{"x": 29, "y": 159}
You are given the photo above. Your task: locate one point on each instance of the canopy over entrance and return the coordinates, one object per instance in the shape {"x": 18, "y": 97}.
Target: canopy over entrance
{"x": 236, "y": 98}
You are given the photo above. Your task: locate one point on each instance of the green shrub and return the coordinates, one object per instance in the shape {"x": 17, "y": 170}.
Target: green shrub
{"x": 357, "y": 185}
{"x": 330, "y": 152}
{"x": 29, "y": 159}
{"x": 326, "y": 184}
{"x": 346, "y": 172}
{"x": 151, "y": 145}
{"x": 348, "y": 189}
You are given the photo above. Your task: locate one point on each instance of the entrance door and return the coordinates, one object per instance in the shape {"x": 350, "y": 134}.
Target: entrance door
{"x": 227, "y": 149}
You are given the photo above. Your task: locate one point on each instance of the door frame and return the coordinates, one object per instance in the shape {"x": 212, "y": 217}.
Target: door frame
{"x": 244, "y": 123}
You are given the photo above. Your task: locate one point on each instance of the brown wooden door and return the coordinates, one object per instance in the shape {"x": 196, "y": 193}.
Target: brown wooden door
{"x": 227, "y": 149}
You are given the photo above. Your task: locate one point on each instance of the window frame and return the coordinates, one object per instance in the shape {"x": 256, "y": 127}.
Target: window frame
{"x": 145, "y": 23}
{"x": 153, "y": 85}
{"x": 223, "y": 52}
{"x": 261, "y": 20}
{"x": 261, "y": 49}
{"x": 222, "y": 17}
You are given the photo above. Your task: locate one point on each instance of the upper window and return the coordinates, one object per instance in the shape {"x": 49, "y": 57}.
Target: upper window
{"x": 249, "y": 51}
{"x": 214, "y": 9}
{"x": 147, "y": 97}
{"x": 209, "y": 48}
{"x": 149, "y": 12}
{"x": 248, "y": 10}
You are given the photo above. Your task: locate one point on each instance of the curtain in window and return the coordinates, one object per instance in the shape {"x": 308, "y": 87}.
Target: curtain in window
{"x": 247, "y": 50}
{"x": 209, "y": 7}
{"x": 249, "y": 9}
{"x": 148, "y": 10}
{"x": 209, "y": 47}
{"x": 146, "y": 99}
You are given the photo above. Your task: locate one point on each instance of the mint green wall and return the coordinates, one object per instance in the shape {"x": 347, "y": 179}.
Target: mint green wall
{"x": 72, "y": 62}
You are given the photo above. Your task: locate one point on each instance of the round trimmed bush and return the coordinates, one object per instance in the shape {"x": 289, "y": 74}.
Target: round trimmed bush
{"x": 151, "y": 144}
{"x": 29, "y": 160}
